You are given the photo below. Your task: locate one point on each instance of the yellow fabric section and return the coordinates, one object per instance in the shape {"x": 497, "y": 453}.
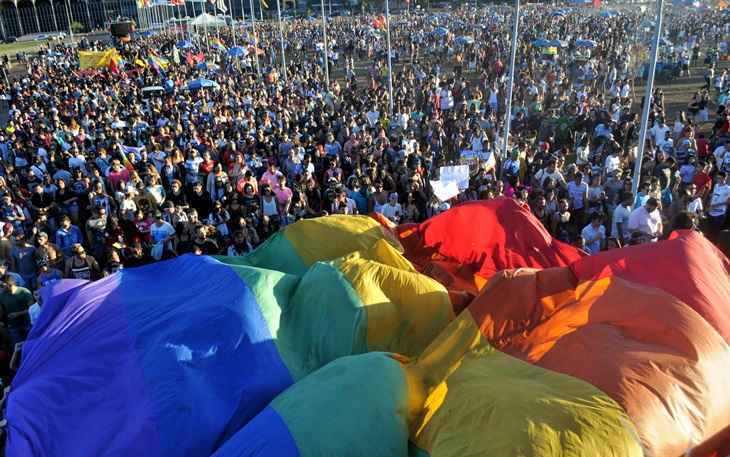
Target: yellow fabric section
{"x": 405, "y": 310}
{"x": 487, "y": 403}
{"x": 331, "y": 237}
{"x": 384, "y": 252}
{"x": 97, "y": 59}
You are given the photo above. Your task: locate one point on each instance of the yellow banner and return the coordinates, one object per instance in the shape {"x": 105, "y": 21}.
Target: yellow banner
{"x": 97, "y": 59}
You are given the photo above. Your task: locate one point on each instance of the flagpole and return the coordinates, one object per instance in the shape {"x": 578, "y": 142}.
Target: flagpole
{"x": 255, "y": 39}
{"x": 53, "y": 13}
{"x": 281, "y": 40}
{"x": 68, "y": 16}
{"x": 326, "y": 48}
{"x": 205, "y": 27}
{"x": 508, "y": 112}
{"x": 233, "y": 23}
{"x": 648, "y": 97}
{"x": 390, "y": 65}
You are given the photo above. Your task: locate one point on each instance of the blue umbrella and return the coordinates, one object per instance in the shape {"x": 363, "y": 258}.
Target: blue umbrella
{"x": 441, "y": 31}
{"x": 464, "y": 40}
{"x": 558, "y": 43}
{"x": 237, "y": 51}
{"x": 557, "y": 14}
{"x": 201, "y": 83}
{"x": 202, "y": 66}
{"x": 185, "y": 44}
{"x": 542, "y": 43}
{"x": 586, "y": 43}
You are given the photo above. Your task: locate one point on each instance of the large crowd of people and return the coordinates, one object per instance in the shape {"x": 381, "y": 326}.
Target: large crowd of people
{"x": 113, "y": 168}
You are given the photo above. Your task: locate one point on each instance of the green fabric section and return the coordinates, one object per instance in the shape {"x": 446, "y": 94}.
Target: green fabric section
{"x": 324, "y": 320}
{"x": 415, "y": 451}
{"x": 273, "y": 291}
{"x": 276, "y": 253}
{"x": 364, "y": 398}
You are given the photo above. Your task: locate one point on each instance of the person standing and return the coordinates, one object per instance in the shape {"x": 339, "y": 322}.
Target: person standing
{"x": 647, "y": 219}
{"x": 719, "y": 201}
{"x": 15, "y": 301}
{"x": 594, "y": 235}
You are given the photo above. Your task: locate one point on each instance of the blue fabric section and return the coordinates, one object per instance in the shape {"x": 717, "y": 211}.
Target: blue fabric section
{"x": 265, "y": 436}
{"x": 165, "y": 360}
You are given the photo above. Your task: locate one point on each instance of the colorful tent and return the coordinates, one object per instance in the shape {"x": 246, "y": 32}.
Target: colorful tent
{"x": 623, "y": 353}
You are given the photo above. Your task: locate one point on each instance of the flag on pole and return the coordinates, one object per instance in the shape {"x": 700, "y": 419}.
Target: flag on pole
{"x": 217, "y": 43}
{"x": 219, "y": 4}
{"x": 124, "y": 150}
{"x": 99, "y": 59}
{"x": 379, "y": 22}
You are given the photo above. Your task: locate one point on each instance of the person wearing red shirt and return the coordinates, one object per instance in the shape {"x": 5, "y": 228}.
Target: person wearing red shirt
{"x": 702, "y": 179}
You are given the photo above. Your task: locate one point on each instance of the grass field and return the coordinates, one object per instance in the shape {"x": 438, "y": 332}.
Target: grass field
{"x": 20, "y": 46}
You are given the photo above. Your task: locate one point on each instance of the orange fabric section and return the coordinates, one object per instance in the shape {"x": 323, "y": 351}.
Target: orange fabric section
{"x": 646, "y": 349}
{"x": 687, "y": 266}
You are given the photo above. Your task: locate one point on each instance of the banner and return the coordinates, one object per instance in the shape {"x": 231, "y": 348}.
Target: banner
{"x": 458, "y": 174}
{"x": 444, "y": 190}
{"x": 99, "y": 59}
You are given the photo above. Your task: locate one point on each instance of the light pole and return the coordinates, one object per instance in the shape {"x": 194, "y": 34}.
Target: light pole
{"x": 35, "y": 14}
{"x": 88, "y": 15}
{"x": 648, "y": 97}
{"x": 255, "y": 39}
{"x": 281, "y": 40}
{"x": 390, "y": 65}
{"x": 508, "y": 112}
{"x": 68, "y": 16}
{"x": 53, "y": 13}
{"x": 326, "y": 48}
{"x": 17, "y": 14}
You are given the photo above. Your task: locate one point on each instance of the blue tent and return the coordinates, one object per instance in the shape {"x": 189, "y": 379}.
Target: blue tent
{"x": 608, "y": 14}
{"x": 542, "y": 43}
{"x": 201, "y": 83}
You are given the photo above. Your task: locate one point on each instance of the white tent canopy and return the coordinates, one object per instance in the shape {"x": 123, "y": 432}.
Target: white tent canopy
{"x": 208, "y": 20}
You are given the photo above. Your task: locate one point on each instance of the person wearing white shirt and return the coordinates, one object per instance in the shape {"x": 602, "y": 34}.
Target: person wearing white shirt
{"x": 660, "y": 132}
{"x": 620, "y": 220}
{"x": 392, "y": 210}
{"x": 578, "y": 192}
{"x": 647, "y": 219}
{"x": 722, "y": 156}
{"x": 719, "y": 202}
{"x": 612, "y": 163}
{"x": 594, "y": 235}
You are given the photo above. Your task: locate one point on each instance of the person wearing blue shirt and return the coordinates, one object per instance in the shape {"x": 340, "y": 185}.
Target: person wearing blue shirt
{"x": 68, "y": 235}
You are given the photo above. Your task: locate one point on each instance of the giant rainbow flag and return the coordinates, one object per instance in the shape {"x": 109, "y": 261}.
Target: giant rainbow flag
{"x": 472, "y": 334}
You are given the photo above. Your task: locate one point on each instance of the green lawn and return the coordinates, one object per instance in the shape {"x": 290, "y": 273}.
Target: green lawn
{"x": 20, "y": 46}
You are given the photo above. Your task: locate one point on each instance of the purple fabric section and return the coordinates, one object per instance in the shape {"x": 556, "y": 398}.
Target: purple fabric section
{"x": 53, "y": 394}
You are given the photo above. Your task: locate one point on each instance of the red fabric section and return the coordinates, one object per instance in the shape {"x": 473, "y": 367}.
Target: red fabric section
{"x": 687, "y": 266}
{"x": 480, "y": 238}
